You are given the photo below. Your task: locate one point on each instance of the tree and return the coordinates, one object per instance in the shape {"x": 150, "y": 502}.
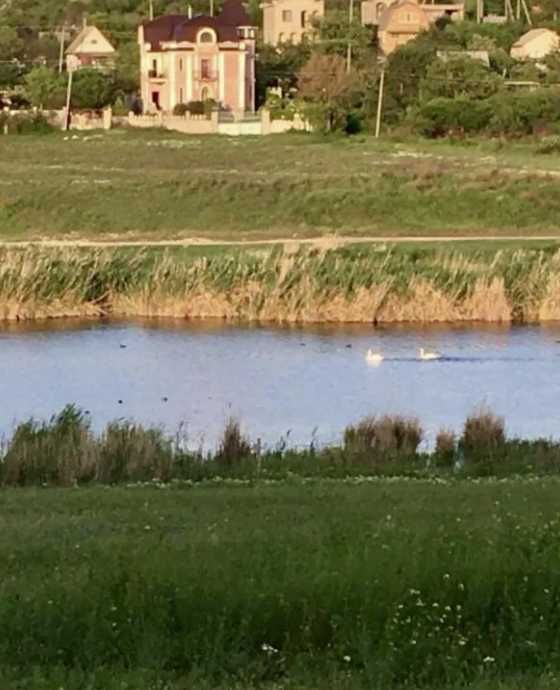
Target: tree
{"x": 330, "y": 91}
{"x": 44, "y": 88}
{"x": 127, "y": 72}
{"x": 336, "y": 32}
{"x": 11, "y": 44}
{"x": 92, "y": 89}
{"x": 11, "y": 74}
{"x": 279, "y": 67}
{"x": 458, "y": 76}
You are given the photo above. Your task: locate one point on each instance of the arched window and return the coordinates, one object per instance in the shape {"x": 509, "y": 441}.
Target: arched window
{"x": 379, "y": 9}
{"x": 206, "y": 36}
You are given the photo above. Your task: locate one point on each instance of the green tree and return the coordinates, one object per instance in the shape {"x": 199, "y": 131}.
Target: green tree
{"x": 458, "y": 76}
{"x": 92, "y": 89}
{"x": 127, "y": 69}
{"x": 44, "y": 88}
{"x": 276, "y": 67}
{"x": 331, "y": 93}
{"x": 336, "y": 33}
{"x": 11, "y": 44}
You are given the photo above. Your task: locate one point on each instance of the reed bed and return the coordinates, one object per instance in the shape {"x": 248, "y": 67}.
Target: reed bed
{"x": 349, "y": 284}
{"x": 64, "y": 452}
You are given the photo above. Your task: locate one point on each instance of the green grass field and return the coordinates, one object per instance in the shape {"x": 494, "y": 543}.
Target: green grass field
{"x": 310, "y": 585}
{"x": 159, "y": 185}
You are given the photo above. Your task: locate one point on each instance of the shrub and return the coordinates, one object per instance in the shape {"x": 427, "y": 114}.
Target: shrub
{"x": 233, "y": 446}
{"x": 24, "y": 123}
{"x": 443, "y": 116}
{"x": 181, "y": 109}
{"x": 483, "y": 433}
{"x": 129, "y": 452}
{"x": 209, "y": 105}
{"x": 58, "y": 452}
{"x": 195, "y": 107}
{"x": 446, "y": 444}
{"x": 548, "y": 146}
{"x": 386, "y": 434}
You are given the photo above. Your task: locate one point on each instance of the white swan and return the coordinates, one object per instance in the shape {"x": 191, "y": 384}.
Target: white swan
{"x": 374, "y": 357}
{"x": 429, "y": 354}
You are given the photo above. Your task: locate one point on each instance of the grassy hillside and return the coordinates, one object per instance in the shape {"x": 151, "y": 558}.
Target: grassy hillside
{"x": 160, "y": 185}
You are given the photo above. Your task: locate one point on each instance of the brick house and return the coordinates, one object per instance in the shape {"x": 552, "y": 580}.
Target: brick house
{"x": 185, "y": 59}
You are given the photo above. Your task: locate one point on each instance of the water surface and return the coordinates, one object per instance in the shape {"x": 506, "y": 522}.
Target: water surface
{"x": 299, "y": 384}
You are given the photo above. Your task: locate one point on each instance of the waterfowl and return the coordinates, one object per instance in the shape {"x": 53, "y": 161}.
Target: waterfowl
{"x": 374, "y": 357}
{"x": 429, "y": 354}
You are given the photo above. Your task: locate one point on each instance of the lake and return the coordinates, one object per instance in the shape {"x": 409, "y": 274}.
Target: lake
{"x": 296, "y": 384}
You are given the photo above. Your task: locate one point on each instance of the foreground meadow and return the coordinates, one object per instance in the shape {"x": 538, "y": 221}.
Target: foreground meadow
{"x": 386, "y": 583}
{"x": 160, "y": 185}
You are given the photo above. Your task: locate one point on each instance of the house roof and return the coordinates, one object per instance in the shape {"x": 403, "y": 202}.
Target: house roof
{"x": 532, "y": 35}
{"x": 178, "y": 27}
{"x": 92, "y": 41}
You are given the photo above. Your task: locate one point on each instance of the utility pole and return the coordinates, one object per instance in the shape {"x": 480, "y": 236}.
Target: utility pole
{"x": 61, "y": 54}
{"x": 350, "y": 22}
{"x": 380, "y": 103}
{"x": 526, "y": 11}
{"x": 151, "y": 9}
{"x": 211, "y": 8}
{"x": 68, "y": 100}
{"x": 479, "y": 11}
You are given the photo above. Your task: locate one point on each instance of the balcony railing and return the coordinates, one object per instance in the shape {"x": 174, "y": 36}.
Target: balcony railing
{"x": 207, "y": 75}
{"x": 156, "y": 74}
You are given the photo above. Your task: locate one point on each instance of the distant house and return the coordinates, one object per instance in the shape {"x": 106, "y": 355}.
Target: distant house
{"x": 199, "y": 58}
{"x": 290, "y": 21}
{"x": 535, "y": 44}
{"x": 91, "y": 49}
{"x": 401, "y": 21}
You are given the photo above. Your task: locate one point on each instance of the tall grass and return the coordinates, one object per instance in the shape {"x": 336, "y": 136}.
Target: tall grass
{"x": 65, "y": 452}
{"x": 360, "y": 284}
{"x": 387, "y": 584}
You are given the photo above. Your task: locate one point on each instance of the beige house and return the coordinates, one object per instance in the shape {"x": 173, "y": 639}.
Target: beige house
{"x": 535, "y": 44}
{"x": 202, "y": 58}
{"x": 290, "y": 21}
{"x": 90, "y": 49}
{"x": 401, "y": 21}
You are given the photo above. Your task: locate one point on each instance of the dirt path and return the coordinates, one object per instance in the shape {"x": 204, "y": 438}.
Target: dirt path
{"x": 326, "y": 241}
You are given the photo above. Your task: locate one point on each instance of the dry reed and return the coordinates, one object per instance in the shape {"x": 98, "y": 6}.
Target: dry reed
{"x": 365, "y": 285}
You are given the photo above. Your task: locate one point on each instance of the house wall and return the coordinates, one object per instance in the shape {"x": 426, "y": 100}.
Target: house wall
{"x": 402, "y": 25}
{"x": 290, "y": 20}
{"x": 180, "y": 77}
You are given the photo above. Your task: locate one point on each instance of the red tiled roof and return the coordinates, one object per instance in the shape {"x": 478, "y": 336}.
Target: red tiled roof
{"x": 178, "y": 27}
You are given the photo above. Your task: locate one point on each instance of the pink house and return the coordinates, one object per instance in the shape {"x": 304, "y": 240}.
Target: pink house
{"x": 185, "y": 59}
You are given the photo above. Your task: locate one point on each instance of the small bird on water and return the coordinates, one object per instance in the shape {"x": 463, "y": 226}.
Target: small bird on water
{"x": 429, "y": 354}
{"x": 374, "y": 357}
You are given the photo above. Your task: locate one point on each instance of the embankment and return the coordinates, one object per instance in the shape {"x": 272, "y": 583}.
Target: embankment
{"x": 356, "y": 283}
